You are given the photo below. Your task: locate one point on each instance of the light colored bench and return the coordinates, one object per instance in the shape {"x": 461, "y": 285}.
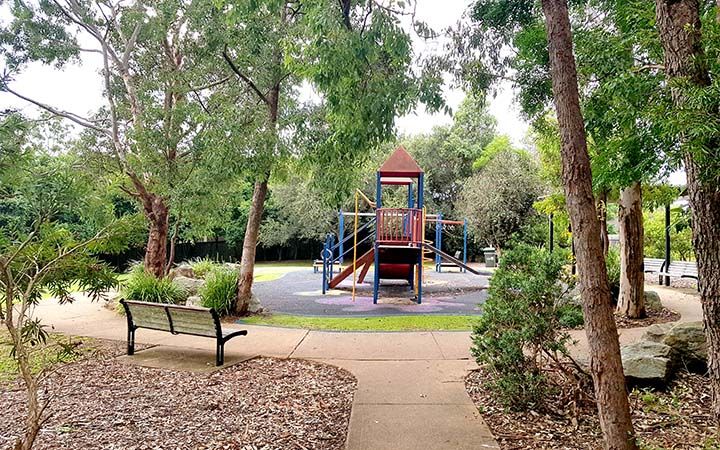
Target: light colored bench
{"x": 177, "y": 319}
{"x": 681, "y": 269}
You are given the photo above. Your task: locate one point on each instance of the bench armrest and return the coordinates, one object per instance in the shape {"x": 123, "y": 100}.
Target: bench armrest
{"x": 229, "y": 336}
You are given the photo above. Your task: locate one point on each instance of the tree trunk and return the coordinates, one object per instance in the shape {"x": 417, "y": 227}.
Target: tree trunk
{"x": 600, "y": 329}
{"x": 601, "y": 206}
{"x": 156, "y": 211}
{"x": 679, "y": 26}
{"x": 247, "y": 260}
{"x": 632, "y": 275}
{"x": 173, "y": 244}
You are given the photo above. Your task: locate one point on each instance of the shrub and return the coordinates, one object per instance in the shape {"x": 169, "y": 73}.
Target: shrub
{"x": 145, "y": 287}
{"x": 520, "y": 325}
{"x": 201, "y": 267}
{"x": 570, "y": 315}
{"x": 220, "y": 290}
{"x": 612, "y": 261}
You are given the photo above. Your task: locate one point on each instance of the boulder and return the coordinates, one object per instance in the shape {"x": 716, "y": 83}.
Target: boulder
{"x": 657, "y": 332}
{"x": 652, "y": 301}
{"x": 191, "y": 285}
{"x": 647, "y": 362}
{"x": 183, "y": 270}
{"x": 254, "y": 307}
{"x": 193, "y": 300}
{"x": 687, "y": 339}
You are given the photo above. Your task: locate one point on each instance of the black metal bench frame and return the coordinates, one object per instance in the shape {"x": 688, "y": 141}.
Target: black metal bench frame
{"x": 220, "y": 337}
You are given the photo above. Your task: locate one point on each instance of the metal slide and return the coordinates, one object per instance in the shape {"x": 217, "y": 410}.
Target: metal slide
{"x": 452, "y": 259}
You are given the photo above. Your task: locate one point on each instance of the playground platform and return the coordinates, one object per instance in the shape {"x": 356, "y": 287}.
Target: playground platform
{"x": 446, "y": 293}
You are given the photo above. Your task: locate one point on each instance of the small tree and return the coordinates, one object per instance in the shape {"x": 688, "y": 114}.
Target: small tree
{"x": 43, "y": 247}
{"x": 499, "y": 199}
{"x": 519, "y": 330}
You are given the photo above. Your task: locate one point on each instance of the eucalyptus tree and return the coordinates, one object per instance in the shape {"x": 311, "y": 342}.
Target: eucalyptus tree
{"x": 498, "y": 24}
{"x": 689, "y": 33}
{"x": 356, "y": 58}
{"x": 152, "y": 114}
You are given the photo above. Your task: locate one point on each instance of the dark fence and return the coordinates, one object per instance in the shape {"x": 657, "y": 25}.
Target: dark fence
{"x": 219, "y": 250}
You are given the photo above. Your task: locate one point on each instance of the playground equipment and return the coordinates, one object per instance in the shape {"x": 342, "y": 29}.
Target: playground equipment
{"x": 394, "y": 238}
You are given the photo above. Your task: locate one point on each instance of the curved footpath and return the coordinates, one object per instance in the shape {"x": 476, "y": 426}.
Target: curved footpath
{"x": 411, "y": 391}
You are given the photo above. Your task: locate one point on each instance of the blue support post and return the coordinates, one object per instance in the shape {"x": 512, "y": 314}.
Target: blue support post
{"x": 438, "y": 242}
{"x": 331, "y": 244}
{"x": 420, "y": 253}
{"x": 464, "y": 244}
{"x": 341, "y": 235}
{"x": 324, "y": 271}
{"x": 411, "y": 197}
{"x": 378, "y": 205}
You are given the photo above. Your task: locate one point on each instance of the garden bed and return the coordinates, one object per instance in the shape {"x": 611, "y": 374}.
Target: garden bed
{"x": 678, "y": 418}
{"x": 262, "y": 403}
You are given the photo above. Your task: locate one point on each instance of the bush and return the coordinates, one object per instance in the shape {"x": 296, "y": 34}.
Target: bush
{"x": 612, "y": 261}
{"x": 220, "y": 290}
{"x": 570, "y": 315}
{"x": 143, "y": 286}
{"x": 520, "y": 325}
{"x": 201, "y": 267}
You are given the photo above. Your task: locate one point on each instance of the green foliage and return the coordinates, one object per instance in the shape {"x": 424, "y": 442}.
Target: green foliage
{"x": 521, "y": 324}
{"x": 498, "y": 200}
{"x": 570, "y": 315}
{"x": 201, "y": 267}
{"x": 220, "y": 290}
{"x": 681, "y": 247}
{"x": 145, "y": 287}
{"x": 612, "y": 263}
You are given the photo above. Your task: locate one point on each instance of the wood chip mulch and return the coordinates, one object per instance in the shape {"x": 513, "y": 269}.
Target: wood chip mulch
{"x": 259, "y": 404}
{"x": 678, "y": 418}
{"x": 662, "y": 315}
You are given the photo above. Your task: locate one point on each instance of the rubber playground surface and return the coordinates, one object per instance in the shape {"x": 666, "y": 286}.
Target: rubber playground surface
{"x": 299, "y": 292}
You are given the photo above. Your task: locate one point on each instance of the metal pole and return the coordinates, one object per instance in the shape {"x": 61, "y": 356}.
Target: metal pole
{"x": 438, "y": 242}
{"x": 420, "y": 253}
{"x": 378, "y": 205}
{"x": 667, "y": 243}
{"x": 341, "y": 234}
{"x": 464, "y": 244}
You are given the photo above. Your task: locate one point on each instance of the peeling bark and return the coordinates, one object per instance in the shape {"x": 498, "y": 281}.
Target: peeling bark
{"x": 247, "y": 260}
{"x": 600, "y": 329}
{"x": 631, "y": 302}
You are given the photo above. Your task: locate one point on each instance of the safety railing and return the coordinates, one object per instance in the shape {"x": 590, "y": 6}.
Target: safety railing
{"x": 399, "y": 225}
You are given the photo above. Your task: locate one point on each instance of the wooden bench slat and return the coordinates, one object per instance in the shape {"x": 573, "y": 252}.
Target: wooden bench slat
{"x": 192, "y": 322}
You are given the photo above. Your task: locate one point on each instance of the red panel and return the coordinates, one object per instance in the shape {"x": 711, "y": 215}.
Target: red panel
{"x": 395, "y": 271}
{"x": 400, "y": 164}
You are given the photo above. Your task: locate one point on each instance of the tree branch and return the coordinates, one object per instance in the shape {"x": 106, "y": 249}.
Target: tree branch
{"x": 243, "y": 77}
{"x": 57, "y": 112}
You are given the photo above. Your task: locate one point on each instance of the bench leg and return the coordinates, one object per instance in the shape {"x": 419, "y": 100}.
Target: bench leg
{"x": 220, "y": 354}
{"x": 131, "y": 342}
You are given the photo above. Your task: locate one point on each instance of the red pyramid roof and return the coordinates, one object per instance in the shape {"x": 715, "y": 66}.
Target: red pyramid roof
{"x": 400, "y": 164}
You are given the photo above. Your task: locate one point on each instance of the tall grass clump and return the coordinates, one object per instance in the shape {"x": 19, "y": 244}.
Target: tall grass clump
{"x": 202, "y": 267}
{"x": 220, "y": 290}
{"x": 145, "y": 287}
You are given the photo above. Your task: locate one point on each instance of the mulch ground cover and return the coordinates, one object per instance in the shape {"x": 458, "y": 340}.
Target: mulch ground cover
{"x": 661, "y": 315}
{"x": 677, "y": 418}
{"x": 259, "y": 404}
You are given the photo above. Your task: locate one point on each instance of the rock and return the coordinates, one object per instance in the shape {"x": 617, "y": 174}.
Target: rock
{"x": 652, "y": 301}
{"x": 687, "y": 339}
{"x": 191, "y": 285}
{"x": 183, "y": 270}
{"x": 647, "y": 362}
{"x": 193, "y": 300}
{"x": 657, "y": 332}
{"x": 254, "y": 307}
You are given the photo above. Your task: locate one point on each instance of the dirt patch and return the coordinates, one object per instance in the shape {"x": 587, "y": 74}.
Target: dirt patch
{"x": 678, "y": 418}
{"x": 259, "y": 404}
{"x": 661, "y": 315}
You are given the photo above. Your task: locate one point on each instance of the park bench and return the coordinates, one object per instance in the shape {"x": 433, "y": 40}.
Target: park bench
{"x": 442, "y": 264}
{"x": 680, "y": 269}
{"x": 177, "y": 319}
{"x": 318, "y": 263}
{"x": 654, "y": 265}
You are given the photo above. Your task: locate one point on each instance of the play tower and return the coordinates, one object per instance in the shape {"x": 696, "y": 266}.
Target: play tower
{"x": 397, "y": 244}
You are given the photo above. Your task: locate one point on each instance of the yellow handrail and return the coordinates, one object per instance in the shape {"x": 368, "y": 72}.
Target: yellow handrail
{"x": 365, "y": 197}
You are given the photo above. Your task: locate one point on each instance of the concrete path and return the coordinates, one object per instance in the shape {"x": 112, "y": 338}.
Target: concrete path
{"x": 411, "y": 392}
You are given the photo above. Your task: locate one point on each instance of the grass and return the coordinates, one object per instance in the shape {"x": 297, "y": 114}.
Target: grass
{"x": 44, "y": 356}
{"x": 388, "y": 323}
{"x": 271, "y": 271}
